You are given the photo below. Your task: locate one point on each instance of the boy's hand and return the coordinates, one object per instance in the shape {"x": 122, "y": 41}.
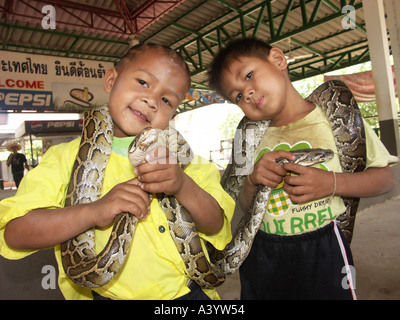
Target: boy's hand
{"x": 308, "y": 184}
{"x": 124, "y": 197}
{"x": 161, "y": 173}
{"x": 267, "y": 172}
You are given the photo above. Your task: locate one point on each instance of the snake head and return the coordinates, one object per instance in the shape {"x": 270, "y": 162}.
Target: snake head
{"x": 149, "y": 138}
{"x": 309, "y": 157}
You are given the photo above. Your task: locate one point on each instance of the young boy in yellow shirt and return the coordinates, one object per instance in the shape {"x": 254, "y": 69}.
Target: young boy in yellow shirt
{"x": 145, "y": 89}
{"x": 299, "y": 251}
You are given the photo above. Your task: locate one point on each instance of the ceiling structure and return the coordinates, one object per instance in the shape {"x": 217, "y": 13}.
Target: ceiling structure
{"x": 314, "y": 34}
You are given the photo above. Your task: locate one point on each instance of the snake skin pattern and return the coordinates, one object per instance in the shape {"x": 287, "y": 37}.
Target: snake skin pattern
{"x": 79, "y": 258}
{"x": 341, "y": 109}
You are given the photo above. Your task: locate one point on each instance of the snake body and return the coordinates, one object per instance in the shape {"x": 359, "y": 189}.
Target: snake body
{"x": 341, "y": 109}
{"x": 238, "y": 249}
{"x": 80, "y": 261}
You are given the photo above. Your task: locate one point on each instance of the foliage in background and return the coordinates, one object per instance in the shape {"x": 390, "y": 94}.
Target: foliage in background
{"x": 228, "y": 127}
{"x": 37, "y": 151}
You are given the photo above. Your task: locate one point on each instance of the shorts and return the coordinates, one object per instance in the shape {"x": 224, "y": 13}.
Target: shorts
{"x": 313, "y": 265}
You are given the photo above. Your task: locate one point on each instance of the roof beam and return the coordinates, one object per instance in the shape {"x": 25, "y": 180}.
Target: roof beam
{"x": 284, "y": 18}
{"x": 81, "y": 7}
{"x": 338, "y": 58}
{"x": 276, "y": 36}
{"x": 126, "y": 15}
{"x": 309, "y": 48}
{"x": 133, "y": 22}
{"x": 335, "y": 8}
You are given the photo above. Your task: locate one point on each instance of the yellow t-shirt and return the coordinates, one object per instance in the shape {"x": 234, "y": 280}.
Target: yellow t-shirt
{"x": 313, "y": 131}
{"x": 153, "y": 268}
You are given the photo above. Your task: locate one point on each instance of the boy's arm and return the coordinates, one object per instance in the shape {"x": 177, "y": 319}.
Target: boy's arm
{"x": 312, "y": 183}
{"x": 158, "y": 175}
{"x": 204, "y": 209}
{"x": 43, "y": 228}
{"x": 27, "y": 165}
{"x": 369, "y": 183}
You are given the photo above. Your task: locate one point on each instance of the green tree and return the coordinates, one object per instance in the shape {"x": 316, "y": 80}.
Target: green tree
{"x": 228, "y": 127}
{"x": 36, "y": 152}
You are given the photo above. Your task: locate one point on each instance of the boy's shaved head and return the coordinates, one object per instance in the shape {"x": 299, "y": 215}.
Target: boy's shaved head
{"x": 141, "y": 48}
{"x": 249, "y": 47}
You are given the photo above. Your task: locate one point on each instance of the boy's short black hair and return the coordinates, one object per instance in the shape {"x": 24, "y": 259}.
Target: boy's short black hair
{"x": 175, "y": 56}
{"x": 235, "y": 49}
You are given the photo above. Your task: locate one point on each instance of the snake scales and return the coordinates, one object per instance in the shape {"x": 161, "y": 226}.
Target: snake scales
{"x": 84, "y": 266}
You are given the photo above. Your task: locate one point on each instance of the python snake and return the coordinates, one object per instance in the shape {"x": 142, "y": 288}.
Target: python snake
{"x": 80, "y": 261}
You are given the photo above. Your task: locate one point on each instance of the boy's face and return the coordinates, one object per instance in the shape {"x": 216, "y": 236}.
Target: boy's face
{"x": 145, "y": 92}
{"x": 257, "y": 86}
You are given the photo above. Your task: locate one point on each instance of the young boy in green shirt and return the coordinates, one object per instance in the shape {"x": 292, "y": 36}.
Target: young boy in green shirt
{"x": 299, "y": 251}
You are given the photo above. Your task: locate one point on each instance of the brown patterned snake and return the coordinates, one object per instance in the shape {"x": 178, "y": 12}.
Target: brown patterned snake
{"x": 84, "y": 266}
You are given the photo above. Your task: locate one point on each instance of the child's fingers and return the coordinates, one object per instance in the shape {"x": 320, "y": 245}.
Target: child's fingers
{"x": 134, "y": 181}
{"x": 155, "y": 153}
{"x": 137, "y": 208}
{"x": 300, "y": 176}
{"x": 300, "y": 199}
{"x": 308, "y": 183}
{"x": 125, "y": 197}
{"x": 148, "y": 176}
{"x": 131, "y": 196}
{"x": 167, "y": 180}
{"x": 265, "y": 169}
{"x": 283, "y": 154}
{"x": 160, "y": 155}
{"x": 269, "y": 179}
{"x": 295, "y": 168}
{"x": 294, "y": 189}
{"x": 297, "y": 192}
{"x": 159, "y": 187}
{"x": 148, "y": 167}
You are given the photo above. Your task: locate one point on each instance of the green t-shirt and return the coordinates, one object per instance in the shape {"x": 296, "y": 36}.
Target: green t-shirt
{"x": 313, "y": 131}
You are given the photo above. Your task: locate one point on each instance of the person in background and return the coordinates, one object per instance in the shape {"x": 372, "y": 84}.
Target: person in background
{"x": 17, "y": 161}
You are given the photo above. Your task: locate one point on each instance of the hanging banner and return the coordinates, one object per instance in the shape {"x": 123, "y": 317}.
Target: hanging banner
{"x": 46, "y": 83}
{"x": 361, "y": 84}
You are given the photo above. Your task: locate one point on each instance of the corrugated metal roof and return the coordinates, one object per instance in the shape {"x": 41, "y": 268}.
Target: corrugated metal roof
{"x": 310, "y": 32}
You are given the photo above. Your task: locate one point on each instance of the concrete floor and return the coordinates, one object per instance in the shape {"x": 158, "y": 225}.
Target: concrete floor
{"x": 376, "y": 251}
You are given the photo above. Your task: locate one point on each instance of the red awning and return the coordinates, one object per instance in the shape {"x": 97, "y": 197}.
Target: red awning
{"x": 361, "y": 84}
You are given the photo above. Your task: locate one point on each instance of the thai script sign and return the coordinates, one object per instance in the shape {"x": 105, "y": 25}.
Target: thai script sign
{"x": 47, "y": 83}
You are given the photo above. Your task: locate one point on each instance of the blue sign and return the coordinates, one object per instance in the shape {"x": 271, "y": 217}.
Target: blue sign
{"x": 26, "y": 100}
